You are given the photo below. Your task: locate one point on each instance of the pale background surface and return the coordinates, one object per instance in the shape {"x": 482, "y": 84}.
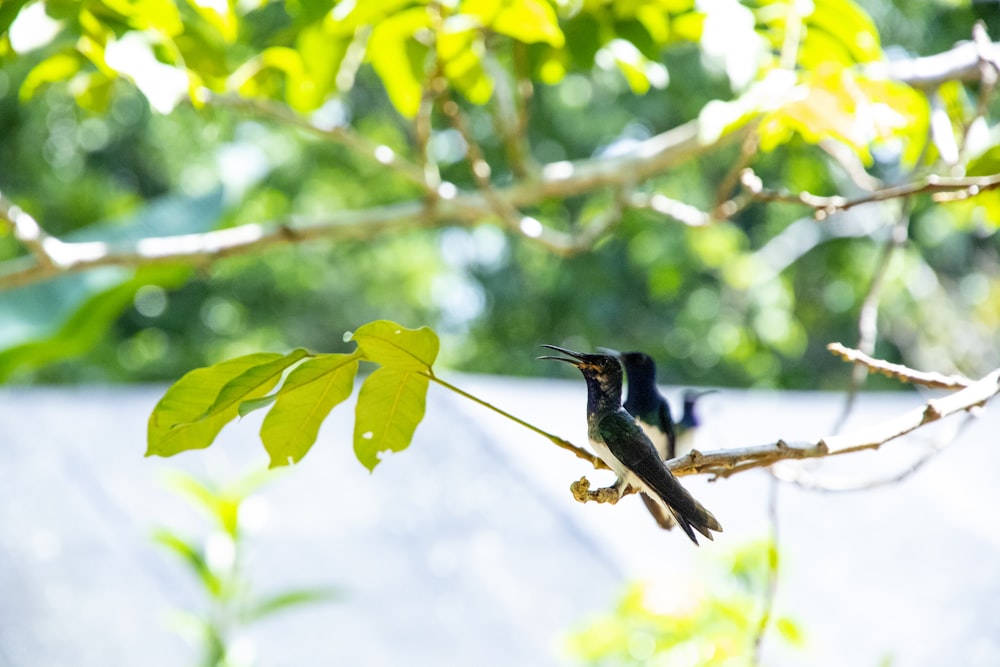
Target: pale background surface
{"x": 468, "y": 549}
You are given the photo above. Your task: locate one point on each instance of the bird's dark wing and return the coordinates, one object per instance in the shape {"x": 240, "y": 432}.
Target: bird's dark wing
{"x": 630, "y": 445}
{"x": 667, "y": 424}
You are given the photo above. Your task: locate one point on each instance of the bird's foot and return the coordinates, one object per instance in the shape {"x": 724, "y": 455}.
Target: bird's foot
{"x": 582, "y": 493}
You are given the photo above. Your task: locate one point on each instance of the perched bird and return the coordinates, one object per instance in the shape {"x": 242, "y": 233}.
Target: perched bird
{"x": 620, "y": 442}
{"x": 689, "y": 422}
{"x": 652, "y": 412}
{"x": 645, "y": 403}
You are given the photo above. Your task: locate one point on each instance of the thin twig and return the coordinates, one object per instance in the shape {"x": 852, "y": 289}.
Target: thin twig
{"x": 942, "y": 188}
{"x": 771, "y": 589}
{"x": 691, "y": 216}
{"x": 898, "y": 371}
{"x": 989, "y": 69}
{"x": 812, "y": 483}
{"x": 554, "y": 439}
{"x": 868, "y": 314}
{"x": 340, "y": 134}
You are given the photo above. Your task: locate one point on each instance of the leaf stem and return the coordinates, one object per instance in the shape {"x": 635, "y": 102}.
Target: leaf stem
{"x": 554, "y": 439}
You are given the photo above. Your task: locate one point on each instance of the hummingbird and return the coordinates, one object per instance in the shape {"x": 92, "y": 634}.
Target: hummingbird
{"x": 689, "y": 421}
{"x": 645, "y": 403}
{"x": 621, "y": 443}
{"x": 652, "y": 412}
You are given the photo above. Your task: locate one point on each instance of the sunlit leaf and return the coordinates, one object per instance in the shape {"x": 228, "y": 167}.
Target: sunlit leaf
{"x": 460, "y": 49}
{"x": 400, "y": 59}
{"x": 254, "y": 381}
{"x": 58, "y": 67}
{"x": 289, "y": 600}
{"x": 390, "y": 405}
{"x": 306, "y": 398}
{"x": 254, "y": 404}
{"x": 790, "y": 631}
{"x": 192, "y": 556}
{"x": 529, "y": 21}
{"x": 176, "y": 424}
{"x": 393, "y": 345}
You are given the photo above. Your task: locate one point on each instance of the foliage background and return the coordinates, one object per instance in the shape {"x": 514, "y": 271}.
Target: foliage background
{"x": 722, "y": 304}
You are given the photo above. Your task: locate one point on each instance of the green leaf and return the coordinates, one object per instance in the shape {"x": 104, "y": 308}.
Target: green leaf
{"x": 193, "y": 557}
{"x": 393, "y": 345}
{"x": 399, "y": 59}
{"x": 528, "y": 21}
{"x": 256, "y": 380}
{"x": 390, "y": 405}
{"x": 304, "y": 401}
{"x": 246, "y": 407}
{"x": 176, "y": 424}
{"x": 790, "y": 630}
{"x": 460, "y": 47}
{"x": 8, "y": 12}
{"x": 57, "y": 67}
{"x": 287, "y": 599}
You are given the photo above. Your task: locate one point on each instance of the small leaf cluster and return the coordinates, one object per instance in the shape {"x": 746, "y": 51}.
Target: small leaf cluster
{"x": 218, "y": 562}
{"x": 718, "y": 630}
{"x": 299, "y": 389}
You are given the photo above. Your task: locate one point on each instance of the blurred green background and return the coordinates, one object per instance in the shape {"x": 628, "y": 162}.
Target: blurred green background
{"x": 751, "y": 301}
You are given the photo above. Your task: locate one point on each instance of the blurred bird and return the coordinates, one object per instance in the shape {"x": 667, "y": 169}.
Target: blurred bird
{"x": 688, "y": 425}
{"x": 621, "y": 443}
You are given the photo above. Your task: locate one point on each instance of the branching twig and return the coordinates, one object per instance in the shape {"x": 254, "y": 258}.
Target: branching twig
{"x": 771, "y": 588}
{"x": 691, "y": 216}
{"x": 961, "y": 63}
{"x": 943, "y": 188}
{"x": 725, "y": 463}
{"x": 898, "y": 371}
{"x": 340, "y": 134}
{"x": 810, "y": 483}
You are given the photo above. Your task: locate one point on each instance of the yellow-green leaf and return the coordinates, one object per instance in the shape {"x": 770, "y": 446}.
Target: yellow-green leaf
{"x": 304, "y": 401}
{"x": 460, "y": 49}
{"x": 176, "y": 424}
{"x": 254, "y": 381}
{"x": 57, "y": 67}
{"x": 393, "y": 345}
{"x": 390, "y": 405}
{"x": 399, "y": 59}
{"x": 529, "y": 21}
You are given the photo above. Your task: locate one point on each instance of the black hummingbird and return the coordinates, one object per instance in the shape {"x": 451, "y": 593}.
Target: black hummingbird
{"x": 652, "y": 412}
{"x": 689, "y": 421}
{"x": 645, "y": 403}
{"x": 621, "y": 443}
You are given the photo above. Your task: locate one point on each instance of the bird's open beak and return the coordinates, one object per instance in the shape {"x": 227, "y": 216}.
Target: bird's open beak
{"x": 577, "y": 359}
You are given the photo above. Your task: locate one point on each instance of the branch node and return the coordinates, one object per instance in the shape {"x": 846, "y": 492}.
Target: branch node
{"x": 580, "y": 490}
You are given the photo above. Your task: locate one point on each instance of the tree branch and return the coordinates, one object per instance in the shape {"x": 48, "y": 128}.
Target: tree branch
{"x": 961, "y": 63}
{"x": 451, "y": 207}
{"x": 898, "y": 371}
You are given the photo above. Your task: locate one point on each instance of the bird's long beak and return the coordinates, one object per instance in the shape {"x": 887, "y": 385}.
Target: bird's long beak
{"x": 577, "y": 359}
{"x": 695, "y": 394}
